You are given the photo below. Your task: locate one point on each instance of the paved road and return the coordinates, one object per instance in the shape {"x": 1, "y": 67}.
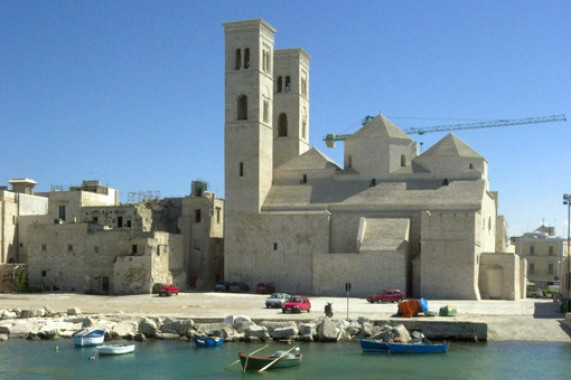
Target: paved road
{"x": 531, "y": 319}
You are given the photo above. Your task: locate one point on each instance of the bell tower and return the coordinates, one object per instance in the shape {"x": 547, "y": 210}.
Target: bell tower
{"x": 248, "y": 136}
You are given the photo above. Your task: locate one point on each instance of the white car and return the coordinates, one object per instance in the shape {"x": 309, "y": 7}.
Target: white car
{"x": 277, "y": 300}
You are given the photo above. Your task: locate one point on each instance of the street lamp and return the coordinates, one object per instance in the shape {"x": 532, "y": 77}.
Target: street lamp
{"x": 567, "y": 201}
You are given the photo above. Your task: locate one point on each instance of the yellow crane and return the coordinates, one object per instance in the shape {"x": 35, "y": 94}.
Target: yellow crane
{"x": 331, "y": 138}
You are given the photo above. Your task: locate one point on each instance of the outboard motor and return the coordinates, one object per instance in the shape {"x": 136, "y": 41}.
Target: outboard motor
{"x": 329, "y": 310}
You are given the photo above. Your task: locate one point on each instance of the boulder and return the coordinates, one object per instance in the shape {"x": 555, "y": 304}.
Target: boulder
{"x": 308, "y": 329}
{"x": 5, "y": 329}
{"x": 5, "y": 314}
{"x": 285, "y": 333}
{"x": 176, "y": 326}
{"x": 4, "y": 337}
{"x": 124, "y": 329}
{"x": 73, "y": 311}
{"x": 222, "y": 330}
{"x": 328, "y": 331}
{"x": 257, "y": 332}
{"x": 148, "y": 327}
{"x": 272, "y": 325}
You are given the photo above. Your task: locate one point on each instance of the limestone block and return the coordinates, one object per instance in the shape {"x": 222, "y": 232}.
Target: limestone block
{"x": 148, "y": 327}
{"x": 167, "y": 336}
{"x": 176, "y": 326}
{"x": 222, "y": 330}
{"x": 256, "y": 331}
{"x": 308, "y": 329}
{"x": 124, "y": 329}
{"x": 242, "y": 318}
{"x": 5, "y": 329}
{"x": 5, "y": 314}
{"x": 272, "y": 325}
{"x": 73, "y": 311}
{"x": 327, "y": 331}
{"x": 284, "y": 333}
{"x": 4, "y": 337}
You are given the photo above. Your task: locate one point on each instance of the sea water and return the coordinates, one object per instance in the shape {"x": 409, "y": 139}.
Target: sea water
{"x": 22, "y": 359}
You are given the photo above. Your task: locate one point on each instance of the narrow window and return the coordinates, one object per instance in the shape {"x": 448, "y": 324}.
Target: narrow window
{"x": 44, "y": 273}
{"x": 304, "y": 128}
{"x": 242, "y": 107}
{"x": 238, "y": 62}
{"x": 288, "y": 84}
{"x": 96, "y": 249}
{"x": 266, "y": 111}
{"x": 247, "y": 58}
{"x": 349, "y": 161}
{"x": 445, "y": 182}
{"x": 550, "y": 269}
{"x": 134, "y": 249}
{"x": 94, "y": 220}
{"x": 402, "y": 161}
{"x": 471, "y": 166}
{"x": 531, "y": 268}
{"x": 279, "y": 83}
{"x": 551, "y": 250}
{"x": 241, "y": 169}
{"x": 304, "y": 178}
{"x": 197, "y": 216}
{"x": 70, "y": 248}
{"x": 129, "y": 223}
{"x": 264, "y": 60}
{"x": 532, "y": 250}
{"x": 44, "y": 247}
{"x": 304, "y": 86}
{"x": 218, "y": 214}
{"x": 275, "y": 246}
{"x": 61, "y": 212}
{"x": 119, "y": 222}
{"x": 282, "y": 125}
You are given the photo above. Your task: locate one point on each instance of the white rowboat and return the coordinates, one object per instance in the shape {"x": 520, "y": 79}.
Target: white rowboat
{"x": 116, "y": 349}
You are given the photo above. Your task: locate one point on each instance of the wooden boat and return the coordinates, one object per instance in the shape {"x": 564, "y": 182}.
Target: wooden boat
{"x": 279, "y": 359}
{"x": 208, "y": 342}
{"x": 116, "y": 349}
{"x": 87, "y": 337}
{"x": 420, "y": 347}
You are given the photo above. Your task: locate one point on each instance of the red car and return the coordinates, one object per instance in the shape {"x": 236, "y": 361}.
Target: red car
{"x": 389, "y": 295}
{"x": 265, "y": 288}
{"x": 167, "y": 289}
{"x": 296, "y": 304}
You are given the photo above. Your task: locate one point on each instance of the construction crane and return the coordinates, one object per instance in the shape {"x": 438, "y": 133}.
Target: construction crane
{"x": 331, "y": 138}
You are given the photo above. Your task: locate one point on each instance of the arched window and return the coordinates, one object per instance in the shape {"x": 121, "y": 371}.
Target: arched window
{"x": 238, "y": 61}
{"x": 247, "y": 58}
{"x": 288, "y": 84}
{"x": 402, "y": 161}
{"x": 242, "y": 107}
{"x": 279, "y": 89}
{"x": 282, "y": 125}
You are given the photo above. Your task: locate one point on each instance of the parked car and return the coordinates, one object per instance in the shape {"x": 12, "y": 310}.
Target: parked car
{"x": 296, "y": 304}
{"x": 277, "y": 300}
{"x": 238, "y": 287}
{"x": 265, "y": 288}
{"x": 167, "y": 289}
{"x": 389, "y": 295}
{"x": 222, "y": 287}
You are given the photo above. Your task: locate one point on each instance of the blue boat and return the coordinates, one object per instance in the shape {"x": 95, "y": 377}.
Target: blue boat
{"x": 86, "y": 338}
{"x": 208, "y": 341}
{"x": 420, "y": 347}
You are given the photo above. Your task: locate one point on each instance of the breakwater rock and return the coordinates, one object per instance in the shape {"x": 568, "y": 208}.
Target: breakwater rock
{"x": 44, "y": 324}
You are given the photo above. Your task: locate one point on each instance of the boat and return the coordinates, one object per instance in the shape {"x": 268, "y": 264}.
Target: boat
{"x": 208, "y": 341}
{"x": 415, "y": 347}
{"x": 279, "y": 359}
{"x": 116, "y": 349}
{"x": 89, "y": 337}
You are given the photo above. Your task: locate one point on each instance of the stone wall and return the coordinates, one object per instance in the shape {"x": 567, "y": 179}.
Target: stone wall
{"x": 500, "y": 276}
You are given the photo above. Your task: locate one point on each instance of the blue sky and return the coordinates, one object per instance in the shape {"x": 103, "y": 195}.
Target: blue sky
{"x": 132, "y": 92}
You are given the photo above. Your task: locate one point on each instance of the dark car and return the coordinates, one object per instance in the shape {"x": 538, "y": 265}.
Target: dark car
{"x": 389, "y": 295}
{"x": 238, "y": 287}
{"x": 167, "y": 289}
{"x": 222, "y": 287}
{"x": 297, "y": 304}
{"x": 265, "y": 288}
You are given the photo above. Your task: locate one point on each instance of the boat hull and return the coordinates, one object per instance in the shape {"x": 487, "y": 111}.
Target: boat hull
{"x": 410, "y": 348}
{"x": 116, "y": 349}
{"x": 208, "y": 342}
{"x": 259, "y": 362}
{"x": 87, "y": 338}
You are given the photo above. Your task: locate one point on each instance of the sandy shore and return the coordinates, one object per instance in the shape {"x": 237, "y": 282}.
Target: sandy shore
{"x": 525, "y": 320}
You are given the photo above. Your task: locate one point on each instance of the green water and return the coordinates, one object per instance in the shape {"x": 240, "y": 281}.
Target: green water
{"x": 22, "y": 359}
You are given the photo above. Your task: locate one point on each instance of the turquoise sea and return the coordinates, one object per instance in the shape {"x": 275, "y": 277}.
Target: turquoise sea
{"x": 21, "y": 359}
